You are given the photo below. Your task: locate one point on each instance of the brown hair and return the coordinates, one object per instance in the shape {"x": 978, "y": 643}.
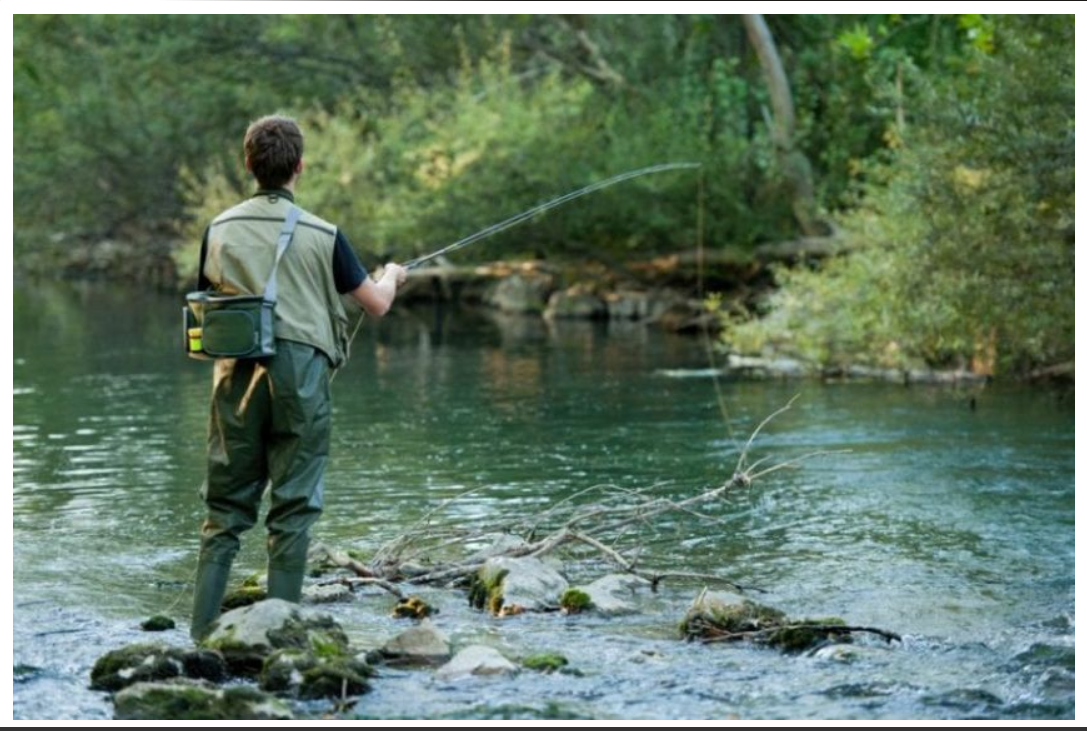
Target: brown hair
{"x": 273, "y": 149}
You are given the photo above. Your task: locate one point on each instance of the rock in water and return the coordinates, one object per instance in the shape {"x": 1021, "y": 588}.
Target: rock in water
{"x": 247, "y": 636}
{"x": 614, "y": 594}
{"x": 476, "y": 660}
{"x": 196, "y": 701}
{"x": 140, "y": 663}
{"x": 422, "y": 645}
{"x": 510, "y": 585}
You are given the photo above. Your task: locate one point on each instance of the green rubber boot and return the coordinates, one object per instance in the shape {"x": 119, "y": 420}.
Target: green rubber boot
{"x": 211, "y": 581}
{"x": 286, "y": 584}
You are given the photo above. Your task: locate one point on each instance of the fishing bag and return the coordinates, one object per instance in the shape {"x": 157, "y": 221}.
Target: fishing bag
{"x": 236, "y": 326}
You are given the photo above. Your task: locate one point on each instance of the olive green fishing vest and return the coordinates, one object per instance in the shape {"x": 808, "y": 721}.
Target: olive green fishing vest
{"x": 240, "y": 253}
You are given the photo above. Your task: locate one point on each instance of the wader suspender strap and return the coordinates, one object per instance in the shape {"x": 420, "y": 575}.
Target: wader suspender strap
{"x": 271, "y": 291}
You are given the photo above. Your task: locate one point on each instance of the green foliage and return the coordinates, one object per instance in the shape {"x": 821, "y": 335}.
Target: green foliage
{"x": 963, "y": 239}
{"x": 420, "y": 129}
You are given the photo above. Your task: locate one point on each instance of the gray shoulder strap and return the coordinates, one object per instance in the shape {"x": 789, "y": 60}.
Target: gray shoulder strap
{"x": 271, "y": 291}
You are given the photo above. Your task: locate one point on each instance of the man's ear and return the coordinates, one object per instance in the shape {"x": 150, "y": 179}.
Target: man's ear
{"x": 298, "y": 168}
{"x": 248, "y": 165}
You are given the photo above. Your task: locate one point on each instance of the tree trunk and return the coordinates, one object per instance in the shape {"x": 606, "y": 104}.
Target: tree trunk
{"x": 793, "y": 163}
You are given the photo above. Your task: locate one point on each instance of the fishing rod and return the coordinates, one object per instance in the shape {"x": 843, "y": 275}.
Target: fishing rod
{"x": 525, "y": 215}
{"x": 554, "y": 203}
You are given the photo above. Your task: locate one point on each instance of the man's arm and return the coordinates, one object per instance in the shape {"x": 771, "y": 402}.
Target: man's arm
{"x": 376, "y": 297}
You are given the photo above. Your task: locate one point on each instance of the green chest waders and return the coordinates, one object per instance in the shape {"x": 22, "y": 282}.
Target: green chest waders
{"x": 270, "y": 422}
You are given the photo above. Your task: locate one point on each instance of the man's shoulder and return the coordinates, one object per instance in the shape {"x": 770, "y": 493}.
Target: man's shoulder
{"x": 313, "y": 221}
{"x": 262, "y": 209}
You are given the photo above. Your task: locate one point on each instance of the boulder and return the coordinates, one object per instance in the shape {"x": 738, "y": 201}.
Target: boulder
{"x": 512, "y": 585}
{"x": 522, "y": 293}
{"x": 577, "y": 302}
{"x": 247, "y": 636}
{"x": 476, "y": 660}
{"x": 424, "y": 644}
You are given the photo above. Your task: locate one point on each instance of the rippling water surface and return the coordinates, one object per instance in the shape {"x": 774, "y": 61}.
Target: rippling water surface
{"x": 949, "y": 525}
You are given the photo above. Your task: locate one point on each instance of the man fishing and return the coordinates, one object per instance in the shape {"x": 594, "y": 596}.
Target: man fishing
{"x": 271, "y": 417}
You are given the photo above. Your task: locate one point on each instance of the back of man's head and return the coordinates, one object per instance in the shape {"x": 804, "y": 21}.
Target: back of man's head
{"x": 273, "y": 149}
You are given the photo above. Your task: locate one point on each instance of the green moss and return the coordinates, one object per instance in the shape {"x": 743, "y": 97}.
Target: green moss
{"x": 253, "y": 581}
{"x": 135, "y": 664}
{"x": 575, "y": 601}
{"x": 485, "y": 592}
{"x": 742, "y": 616}
{"x": 157, "y": 623}
{"x": 195, "y": 702}
{"x": 545, "y": 662}
{"x": 279, "y": 668}
{"x": 244, "y": 596}
{"x": 803, "y": 634}
{"x": 334, "y": 680}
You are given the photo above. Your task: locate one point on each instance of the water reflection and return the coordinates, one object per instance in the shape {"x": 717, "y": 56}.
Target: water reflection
{"x": 951, "y": 525}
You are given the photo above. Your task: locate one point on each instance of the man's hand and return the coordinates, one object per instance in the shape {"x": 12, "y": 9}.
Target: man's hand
{"x": 399, "y": 273}
{"x": 377, "y": 297}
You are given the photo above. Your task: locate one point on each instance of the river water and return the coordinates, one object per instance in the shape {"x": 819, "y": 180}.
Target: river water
{"x": 950, "y": 520}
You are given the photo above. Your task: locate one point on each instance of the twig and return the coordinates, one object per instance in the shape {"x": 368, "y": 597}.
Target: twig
{"x": 751, "y": 439}
{"x": 761, "y": 635}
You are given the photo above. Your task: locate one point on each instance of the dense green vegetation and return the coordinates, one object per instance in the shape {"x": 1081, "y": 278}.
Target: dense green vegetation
{"x": 941, "y": 147}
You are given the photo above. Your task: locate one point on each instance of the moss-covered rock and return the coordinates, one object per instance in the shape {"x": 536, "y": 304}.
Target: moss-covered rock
{"x": 196, "y": 701}
{"x": 715, "y": 613}
{"x": 726, "y": 617}
{"x": 147, "y": 662}
{"x": 575, "y": 601}
{"x": 303, "y": 674}
{"x": 798, "y": 635}
{"x": 335, "y": 679}
{"x": 157, "y": 623}
{"x": 134, "y": 664}
{"x": 505, "y": 586}
{"x": 545, "y": 662}
{"x": 247, "y": 636}
{"x": 244, "y": 596}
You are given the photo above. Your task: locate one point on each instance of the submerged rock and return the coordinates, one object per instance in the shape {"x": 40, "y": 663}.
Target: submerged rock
{"x": 476, "y": 660}
{"x": 726, "y": 617}
{"x": 513, "y": 585}
{"x": 546, "y": 662}
{"x": 246, "y": 636}
{"x": 140, "y": 663}
{"x": 196, "y": 701}
{"x": 421, "y": 645}
{"x": 327, "y": 594}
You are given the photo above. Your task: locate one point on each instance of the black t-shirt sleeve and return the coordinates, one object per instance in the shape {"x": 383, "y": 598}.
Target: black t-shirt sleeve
{"x": 347, "y": 270}
{"x": 202, "y": 282}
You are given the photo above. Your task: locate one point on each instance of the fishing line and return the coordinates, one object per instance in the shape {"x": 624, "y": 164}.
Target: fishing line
{"x": 524, "y": 216}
